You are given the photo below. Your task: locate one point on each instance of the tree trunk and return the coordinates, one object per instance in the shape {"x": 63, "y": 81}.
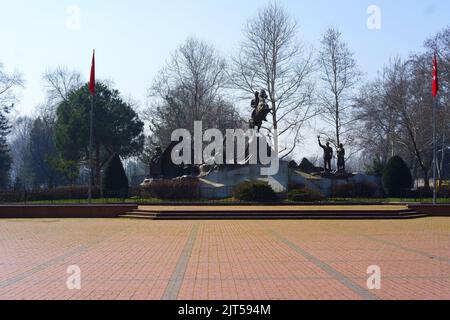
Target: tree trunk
{"x": 425, "y": 175}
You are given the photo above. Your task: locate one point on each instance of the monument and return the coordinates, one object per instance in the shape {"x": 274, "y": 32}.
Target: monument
{"x": 260, "y": 110}
{"x": 217, "y": 180}
{"x": 156, "y": 164}
{"x": 341, "y": 159}
{"x": 327, "y": 155}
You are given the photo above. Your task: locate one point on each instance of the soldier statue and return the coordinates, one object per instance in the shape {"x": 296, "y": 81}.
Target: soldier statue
{"x": 260, "y": 109}
{"x": 254, "y": 104}
{"x": 327, "y": 155}
{"x": 156, "y": 164}
{"x": 341, "y": 158}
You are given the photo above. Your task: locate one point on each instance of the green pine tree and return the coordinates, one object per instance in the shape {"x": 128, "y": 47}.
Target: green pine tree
{"x": 397, "y": 179}
{"x": 115, "y": 181}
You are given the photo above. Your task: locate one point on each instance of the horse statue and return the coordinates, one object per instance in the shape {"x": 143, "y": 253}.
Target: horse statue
{"x": 260, "y": 109}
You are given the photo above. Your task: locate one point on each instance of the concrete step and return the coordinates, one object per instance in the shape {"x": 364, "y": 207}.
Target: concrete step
{"x": 264, "y": 212}
{"x": 271, "y": 215}
{"x": 275, "y": 217}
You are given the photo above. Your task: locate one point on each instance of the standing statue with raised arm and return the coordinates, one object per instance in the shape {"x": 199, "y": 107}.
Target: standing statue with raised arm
{"x": 327, "y": 155}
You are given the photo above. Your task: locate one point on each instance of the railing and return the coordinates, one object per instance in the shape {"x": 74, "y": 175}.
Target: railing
{"x": 217, "y": 196}
{"x": 133, "y": 196}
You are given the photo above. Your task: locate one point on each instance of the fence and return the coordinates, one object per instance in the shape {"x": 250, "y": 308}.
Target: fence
{"x": 79, "y": 195}
{"x": 223, "y": 195}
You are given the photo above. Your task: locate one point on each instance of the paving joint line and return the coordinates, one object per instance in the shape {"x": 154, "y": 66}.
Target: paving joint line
{"x": 40, "y": 267}
{"x": 176, "y": 280}
{"x": 362, "y": 292}
{"x": 398, "y": 246}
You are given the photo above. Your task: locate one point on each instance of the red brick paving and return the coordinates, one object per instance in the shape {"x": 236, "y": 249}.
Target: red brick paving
{"x": 140, "y": 259}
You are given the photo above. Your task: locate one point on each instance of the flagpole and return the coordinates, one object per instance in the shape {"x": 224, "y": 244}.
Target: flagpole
{"x": 434, "y": 152}
{"x": 435, "y": 90}
{"x": 91, "y": 128}
{"x": 91, "y": 148}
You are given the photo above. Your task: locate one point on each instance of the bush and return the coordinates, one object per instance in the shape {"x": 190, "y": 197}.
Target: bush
{"x": 444, "y": 191}
{"x": 397, "y": 179}
{"x": 427, "y": 193}
{"x": 176, "y": 189}
{"x": 57, "y": 194}
{"x": 295, "y": 185}
{"x": 115, "y": 181}
{"x": 305, "y": 195}
{"x": 376, "y": 168}
{"x": 254, "y": 192}
{"x": 419, "y": 193}
{"x": 355, "y": 190}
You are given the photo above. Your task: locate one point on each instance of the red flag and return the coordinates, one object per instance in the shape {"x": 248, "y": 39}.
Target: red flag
{"x": 92, "y": 79}
{"x": 435, "y": 85}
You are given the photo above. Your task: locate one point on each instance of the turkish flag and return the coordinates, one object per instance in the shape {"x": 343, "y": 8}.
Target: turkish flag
{"x": 92, "y": 78}
{"x": 435, "y": 85}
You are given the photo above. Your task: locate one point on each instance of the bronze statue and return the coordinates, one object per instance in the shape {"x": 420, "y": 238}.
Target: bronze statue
{"x": 261, "y": 109}
{"x": 156, "y": 164}
{"x": 327, "y": 155}
{"x": 255, "y": 103}
{"x": 341, "y": 158}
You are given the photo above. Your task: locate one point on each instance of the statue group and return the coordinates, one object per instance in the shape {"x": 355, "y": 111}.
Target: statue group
{"x": 160, "y": 166}
{"x": 328, "y": 157}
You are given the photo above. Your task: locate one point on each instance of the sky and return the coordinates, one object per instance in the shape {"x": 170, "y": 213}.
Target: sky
{"x": 133, "y": 39}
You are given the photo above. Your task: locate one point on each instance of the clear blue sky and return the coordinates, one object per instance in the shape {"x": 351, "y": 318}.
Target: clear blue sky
{"x": 134, "y": 38}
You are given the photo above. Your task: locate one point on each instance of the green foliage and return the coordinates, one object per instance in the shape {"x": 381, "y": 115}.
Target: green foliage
{"x": 69, "y": 169}
{"x": 43, "y": 154}
{"x": 355, "y": 190}
{"x": 376, "y": 168}
{"x": 254, "y": 191}
{"x": 117, "y": 127}
{"x": 177, "y": 189}
{"x": 63, "y": 194}
{"x": 115, "y": 181}
{"x": 305, "y": 195}
{"x": 397, "y": 179}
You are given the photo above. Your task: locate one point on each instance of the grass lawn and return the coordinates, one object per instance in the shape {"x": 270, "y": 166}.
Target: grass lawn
{"x": 232, "y": 201}
{"x": 391, "y": 200}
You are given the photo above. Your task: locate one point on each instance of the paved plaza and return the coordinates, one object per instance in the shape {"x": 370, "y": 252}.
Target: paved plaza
{"x": 143, "y": 259}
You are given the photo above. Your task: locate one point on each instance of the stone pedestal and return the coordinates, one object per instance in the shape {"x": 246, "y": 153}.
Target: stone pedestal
{"x": 219, "y": 183}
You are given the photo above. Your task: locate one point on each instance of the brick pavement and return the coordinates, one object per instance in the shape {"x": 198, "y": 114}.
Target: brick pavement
{"x": 139, "y": 259}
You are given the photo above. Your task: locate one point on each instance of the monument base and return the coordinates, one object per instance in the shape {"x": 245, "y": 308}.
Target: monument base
{"x": 326, "y": 182}
{"x": 219, "y": 183}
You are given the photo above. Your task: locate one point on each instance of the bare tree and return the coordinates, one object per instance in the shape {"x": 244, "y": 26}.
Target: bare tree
{"x": 19, "y": 143}
{"x": 377, "y": 123}
{"x": 340, "y": 75}
{"x": 59, "y": 83}
{"x": 191, "y": 87}
{"x": 8, "y": 82}
{"x": 271, "y": 58}
{"x": 440, "y": 44}
{"x": 400, "y": 111}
